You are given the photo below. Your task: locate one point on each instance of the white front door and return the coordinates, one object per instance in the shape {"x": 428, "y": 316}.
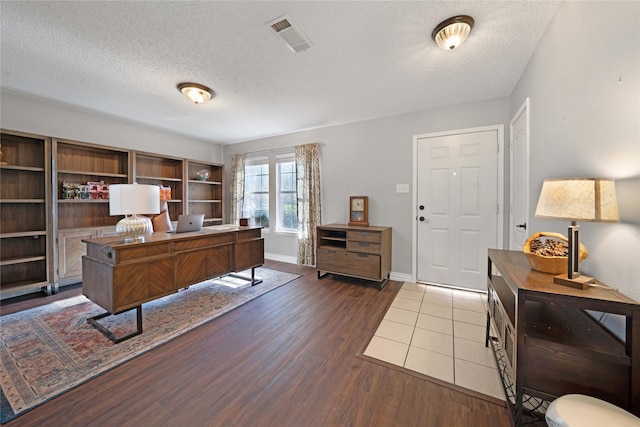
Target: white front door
{"x": 519, "y": 177}
{"x": 457, "y": 207}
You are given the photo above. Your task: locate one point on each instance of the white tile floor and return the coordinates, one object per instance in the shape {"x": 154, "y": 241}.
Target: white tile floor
{"x": 438, "y": 332}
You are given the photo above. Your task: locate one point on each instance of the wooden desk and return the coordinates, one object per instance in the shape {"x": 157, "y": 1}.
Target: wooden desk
{"x": 120, "y": 277}
{"x": 546, "y": 345}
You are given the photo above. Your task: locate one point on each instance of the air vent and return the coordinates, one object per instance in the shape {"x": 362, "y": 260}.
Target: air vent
{"x": 281, "y": 25}
{"x": 292, "y": 36}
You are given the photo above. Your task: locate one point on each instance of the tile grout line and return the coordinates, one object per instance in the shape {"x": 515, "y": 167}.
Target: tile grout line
{"x": 404, "y": 363}
{"x": 453, "y": 332}
{"x": 453, "y": 344}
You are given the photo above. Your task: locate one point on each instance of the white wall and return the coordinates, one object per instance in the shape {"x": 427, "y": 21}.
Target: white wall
{"x": 27, "y": 114}
{"x": 584, "y": 84}
{"x": 369, "y": 158}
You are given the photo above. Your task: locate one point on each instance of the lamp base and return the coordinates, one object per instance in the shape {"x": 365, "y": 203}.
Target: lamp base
{"x": 133, "y": 228}
{"x": 580, "y": 282}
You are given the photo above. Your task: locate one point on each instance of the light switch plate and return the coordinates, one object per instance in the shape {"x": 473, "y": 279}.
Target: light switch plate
{"x": 402, "y": 188}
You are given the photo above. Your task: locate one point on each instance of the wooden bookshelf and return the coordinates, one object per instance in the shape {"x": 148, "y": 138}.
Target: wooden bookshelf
{"x": 25, "y": 207}
{"x": 82, "y": 218}
{"x": 205, "y": 195}
{"x": 44, "y": 223}
{"x": 155, "y": 169}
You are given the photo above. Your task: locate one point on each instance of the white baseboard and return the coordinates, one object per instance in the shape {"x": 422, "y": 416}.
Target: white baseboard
{"x": 281, "y": 258}
{"x": 400, "y": 277}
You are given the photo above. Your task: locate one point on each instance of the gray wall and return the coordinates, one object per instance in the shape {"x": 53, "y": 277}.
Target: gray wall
{"x": 36, "y": 116}
{"x": 584, "y": 85}
{"x": 369, "y": 158}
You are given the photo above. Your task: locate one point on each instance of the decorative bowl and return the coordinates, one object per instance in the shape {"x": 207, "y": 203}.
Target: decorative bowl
{"x": 549, "y": 264}
{"x": 202, "y": 175}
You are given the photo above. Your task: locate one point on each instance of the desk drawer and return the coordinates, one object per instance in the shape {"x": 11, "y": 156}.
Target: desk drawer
{"x": 363, "y": 247}
{"x": 203, "y": 242}
{"x": 363, "y": 265}
{"x": 349, "y": 263}
{"x": 331, "y": 259}
{"x": 255, "y": 233}
{"x": 135, "y": 252}
{"x": 364, "y": 236}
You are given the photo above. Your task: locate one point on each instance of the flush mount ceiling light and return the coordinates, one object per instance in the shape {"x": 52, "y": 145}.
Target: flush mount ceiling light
{"x": 451, "y": 33}
{"x": 196, "y": 93}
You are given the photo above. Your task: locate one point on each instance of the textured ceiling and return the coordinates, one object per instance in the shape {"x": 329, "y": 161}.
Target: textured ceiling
{"x": 368, "y": 59}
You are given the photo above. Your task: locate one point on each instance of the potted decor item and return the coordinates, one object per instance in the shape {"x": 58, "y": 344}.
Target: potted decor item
{"x": 547, "y": 252}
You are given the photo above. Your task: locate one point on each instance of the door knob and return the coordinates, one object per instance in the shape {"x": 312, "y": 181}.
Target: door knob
{"x": 421, "y": 218}
{"x": 522, "y": 226}
{"x": 421, "y": 207}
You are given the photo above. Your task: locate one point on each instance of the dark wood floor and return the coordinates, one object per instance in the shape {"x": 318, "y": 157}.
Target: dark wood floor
{"x": 288, "y": 358}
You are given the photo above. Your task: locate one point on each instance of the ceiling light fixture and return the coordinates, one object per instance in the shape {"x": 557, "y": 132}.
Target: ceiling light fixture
{"x": 196, "y": 93}
{"x": 451, "y": 33}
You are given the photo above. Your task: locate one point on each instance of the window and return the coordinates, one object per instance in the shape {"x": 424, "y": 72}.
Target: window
{"x": 256, "y": 191}
{"x": 287, "y": 207}
{"x": 275, "y": 176}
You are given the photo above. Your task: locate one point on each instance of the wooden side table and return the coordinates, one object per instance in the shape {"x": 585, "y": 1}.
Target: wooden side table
{"x": 547, "y": 344}
{"x": 355, "y": 251}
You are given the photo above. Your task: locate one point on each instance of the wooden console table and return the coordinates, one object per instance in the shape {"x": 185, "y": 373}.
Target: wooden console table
{"x": 362, "y": 252}
{"x": 547, "y": 345}
{"x": 120, "y": 277}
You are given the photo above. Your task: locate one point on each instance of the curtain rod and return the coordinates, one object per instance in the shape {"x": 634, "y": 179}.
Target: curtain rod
{"x": 274, "y": 150}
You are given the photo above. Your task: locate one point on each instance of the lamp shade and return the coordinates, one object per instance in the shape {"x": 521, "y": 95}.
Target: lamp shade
{"x": 578, "y": 199}
{"x": 131, "y": 199}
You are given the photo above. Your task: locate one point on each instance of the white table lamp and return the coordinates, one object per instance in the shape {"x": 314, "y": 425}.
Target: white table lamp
{"x": 577, "y": 199}
{"x": 131, "y": 200}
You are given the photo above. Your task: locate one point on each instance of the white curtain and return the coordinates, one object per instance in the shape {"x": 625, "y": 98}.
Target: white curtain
{"x": 236, "y": 192}
{"x": 308, "y": 195}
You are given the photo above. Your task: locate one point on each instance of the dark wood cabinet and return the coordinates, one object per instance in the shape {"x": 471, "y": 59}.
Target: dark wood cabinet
{"x": 25, "y": 211}
{"x": 44, "y": 223}
{"x": 548, "y": 342}
{"x": 204, "y": 195}
{"x": 155, "y": 169}
{"x": 362, "y": 252}
{"x": 78, "y": 217}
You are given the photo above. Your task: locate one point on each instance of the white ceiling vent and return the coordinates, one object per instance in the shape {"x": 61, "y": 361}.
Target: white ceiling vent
{"x": 290, "y": 34}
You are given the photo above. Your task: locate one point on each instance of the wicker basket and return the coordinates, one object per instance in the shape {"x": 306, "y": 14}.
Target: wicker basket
{"x": 549, "y": 264}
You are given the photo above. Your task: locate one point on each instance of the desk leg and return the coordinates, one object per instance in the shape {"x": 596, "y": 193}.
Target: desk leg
{"x": 93, "y": 321}
{"x": 251, "y": 279}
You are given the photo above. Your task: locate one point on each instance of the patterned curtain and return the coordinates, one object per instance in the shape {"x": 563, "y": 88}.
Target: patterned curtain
{"x": 308, "y": 195}
{"x": 237, "y": 188}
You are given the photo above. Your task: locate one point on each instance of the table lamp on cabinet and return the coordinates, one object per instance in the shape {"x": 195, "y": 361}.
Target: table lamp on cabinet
{"x": 132, "y": 200}
{"x": 577, "y": 199}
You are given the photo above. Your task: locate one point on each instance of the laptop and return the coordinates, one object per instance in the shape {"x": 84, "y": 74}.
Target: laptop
{"x": 191, "y": 222}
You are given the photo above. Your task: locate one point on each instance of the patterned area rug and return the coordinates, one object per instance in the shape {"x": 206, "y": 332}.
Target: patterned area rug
{"x": 48, "y": 350}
